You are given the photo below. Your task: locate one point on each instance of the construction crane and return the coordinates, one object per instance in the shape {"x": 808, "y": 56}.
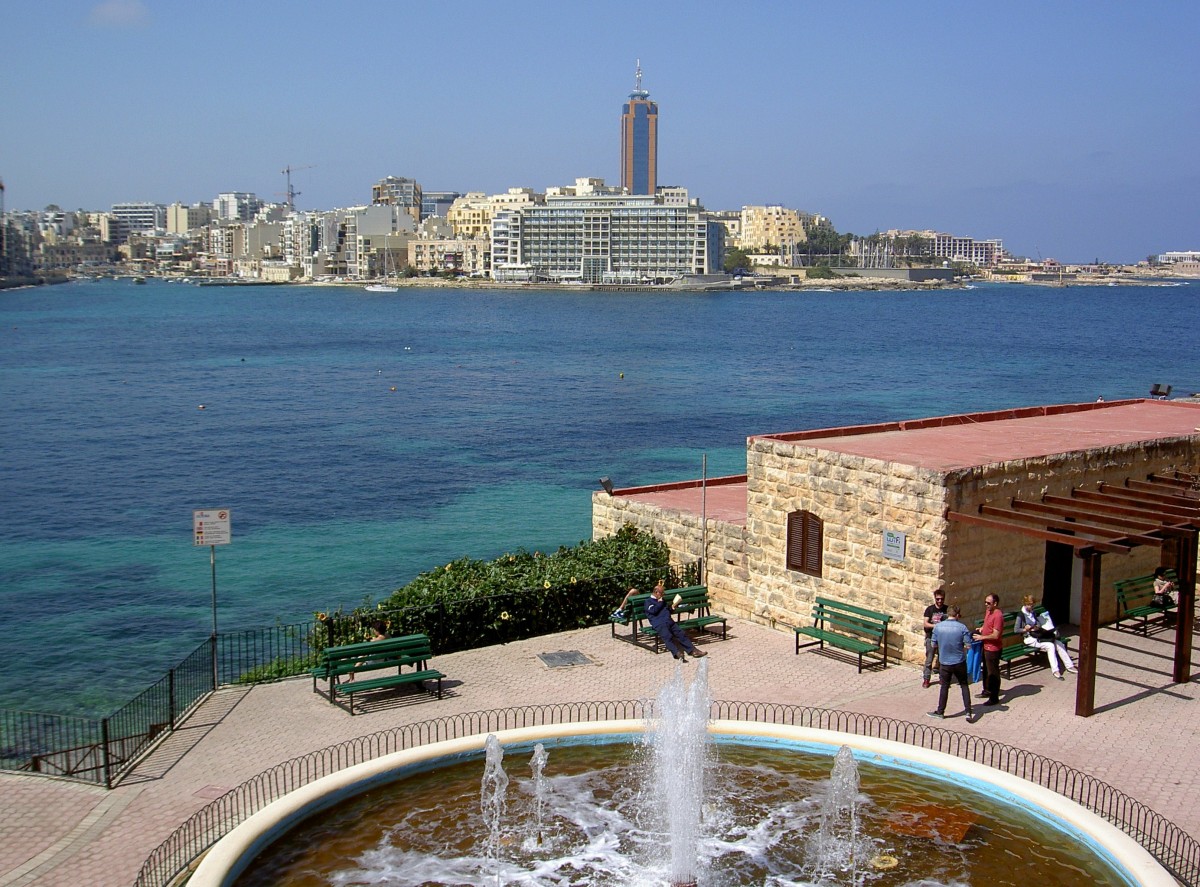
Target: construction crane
{"x": 292, "y": 194}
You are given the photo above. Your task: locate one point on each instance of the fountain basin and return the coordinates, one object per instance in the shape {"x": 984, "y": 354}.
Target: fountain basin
{"x": 229, "y": 857}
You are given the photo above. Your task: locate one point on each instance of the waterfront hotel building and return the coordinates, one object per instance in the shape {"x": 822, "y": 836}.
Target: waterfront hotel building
{"x": 639, "y": 141}
{"x": 595, "y": 234}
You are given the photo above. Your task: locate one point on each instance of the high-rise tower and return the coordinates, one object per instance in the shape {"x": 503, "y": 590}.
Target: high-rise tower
{"x": 639, "y": 140}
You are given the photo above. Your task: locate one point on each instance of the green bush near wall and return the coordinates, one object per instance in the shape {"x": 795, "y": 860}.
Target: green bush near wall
{"x": 473, "y": 603}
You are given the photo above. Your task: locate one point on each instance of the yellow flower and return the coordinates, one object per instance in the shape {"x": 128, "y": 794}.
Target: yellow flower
{"x": 546, "y": 584}
{"x": 504, "y": 615}
{"x": 448, "y": 567}
{"x": 321, "y": 617}
{"x": 572, "y": 580}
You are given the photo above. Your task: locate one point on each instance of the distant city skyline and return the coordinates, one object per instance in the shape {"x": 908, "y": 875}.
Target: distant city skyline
{"x": 1067, "y": 131}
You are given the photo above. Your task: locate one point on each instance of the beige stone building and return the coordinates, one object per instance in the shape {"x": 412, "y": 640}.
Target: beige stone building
{"x": 469, "y": 257}
{"x": 1058, "y": 502}
{"x": 763, "y": 226}
{"x": 471, "y": 215}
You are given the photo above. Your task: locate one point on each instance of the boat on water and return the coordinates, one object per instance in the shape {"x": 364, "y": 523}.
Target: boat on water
{"x": 384, "y": 286}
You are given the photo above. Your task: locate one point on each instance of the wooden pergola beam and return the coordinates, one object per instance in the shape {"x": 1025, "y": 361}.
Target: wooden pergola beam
{"x": 1074, "y": 512}
{"x": 1171, "y": 492}
{"x": 1033, "y": 532}
{"x": 1113, "y": 513}
{"x": 1164, "y": 513}
{"x": 1077, "y": 528}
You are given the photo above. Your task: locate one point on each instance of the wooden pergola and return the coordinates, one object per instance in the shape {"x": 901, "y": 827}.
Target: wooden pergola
{"x": 1161, "y": 511}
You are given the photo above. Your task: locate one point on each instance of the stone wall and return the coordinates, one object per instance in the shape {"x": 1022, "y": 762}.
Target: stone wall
{"x": 726, "y": 573}
{"x": 857, "y": 499}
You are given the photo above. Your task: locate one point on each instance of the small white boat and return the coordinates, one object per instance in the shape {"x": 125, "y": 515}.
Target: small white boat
{"x": 381, "y": 288}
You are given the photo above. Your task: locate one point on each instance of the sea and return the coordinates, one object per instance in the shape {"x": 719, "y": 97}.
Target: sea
{"x": 357, "y": 439}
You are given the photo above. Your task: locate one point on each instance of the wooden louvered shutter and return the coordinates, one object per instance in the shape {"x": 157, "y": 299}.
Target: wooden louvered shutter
{"x": 805, "y": 533}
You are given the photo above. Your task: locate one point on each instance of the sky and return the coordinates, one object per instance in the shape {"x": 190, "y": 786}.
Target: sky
{"x": 1066, "y": 129}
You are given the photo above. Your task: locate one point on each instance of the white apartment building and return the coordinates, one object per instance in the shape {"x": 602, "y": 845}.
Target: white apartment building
{"x": 236, "y": 206}
{"x": 966, "y": 249}
{"x": 595, "y": 234}
{"x": 133, "y": 217}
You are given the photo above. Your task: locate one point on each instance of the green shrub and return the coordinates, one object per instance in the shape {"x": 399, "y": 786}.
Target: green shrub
{"x": 472, "y": 603}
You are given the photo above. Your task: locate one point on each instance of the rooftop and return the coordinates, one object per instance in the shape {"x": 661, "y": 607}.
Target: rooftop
{"x": 950, "y": 443}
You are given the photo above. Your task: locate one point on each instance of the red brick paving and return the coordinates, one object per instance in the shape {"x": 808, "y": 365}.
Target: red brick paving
{"x": 1141, "y": 739}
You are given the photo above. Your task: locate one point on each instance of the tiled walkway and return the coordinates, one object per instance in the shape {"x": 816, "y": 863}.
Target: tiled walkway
{"x": 1141, "y": 740}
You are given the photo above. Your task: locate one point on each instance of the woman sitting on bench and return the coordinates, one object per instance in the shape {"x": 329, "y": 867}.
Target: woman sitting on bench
{"x": 1040, "y": 632}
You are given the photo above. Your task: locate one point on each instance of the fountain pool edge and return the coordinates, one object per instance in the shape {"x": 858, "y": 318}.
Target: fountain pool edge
{"x": 225, "y": 861}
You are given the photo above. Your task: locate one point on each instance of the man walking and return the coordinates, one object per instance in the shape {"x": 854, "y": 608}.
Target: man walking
{"x": 952, "y": 639}
{"x": 934, "y": 614}
{"x": 991, "y": 634}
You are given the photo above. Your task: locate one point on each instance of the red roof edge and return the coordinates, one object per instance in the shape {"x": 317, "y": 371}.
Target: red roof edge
{"x": 943, "y": 421}
{"x": 682, "y": 485}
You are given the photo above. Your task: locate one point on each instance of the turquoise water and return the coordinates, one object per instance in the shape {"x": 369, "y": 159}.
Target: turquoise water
{"x": 507, "y": 406}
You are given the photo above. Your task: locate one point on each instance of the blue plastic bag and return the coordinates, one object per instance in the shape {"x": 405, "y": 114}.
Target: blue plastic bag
{"x": 975, "y": 661}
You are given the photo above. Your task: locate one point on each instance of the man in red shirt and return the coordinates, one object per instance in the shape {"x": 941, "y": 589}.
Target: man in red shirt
{"x": 990, "y": 634}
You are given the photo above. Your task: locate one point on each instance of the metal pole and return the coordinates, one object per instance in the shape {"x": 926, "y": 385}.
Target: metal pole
{"x": 212, "y": 557}
{"x": 704, "y": 518}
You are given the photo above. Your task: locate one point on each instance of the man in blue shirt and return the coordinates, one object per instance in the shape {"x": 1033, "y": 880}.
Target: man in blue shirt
{"x": 952, "y": 639}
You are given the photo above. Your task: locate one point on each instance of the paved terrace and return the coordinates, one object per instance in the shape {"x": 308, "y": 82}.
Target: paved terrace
{"x": 1141, "y": 739}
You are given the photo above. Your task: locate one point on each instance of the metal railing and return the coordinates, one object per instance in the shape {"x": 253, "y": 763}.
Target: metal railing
{"x": 101, "y": 750}
{"x": 1174, "y": 849}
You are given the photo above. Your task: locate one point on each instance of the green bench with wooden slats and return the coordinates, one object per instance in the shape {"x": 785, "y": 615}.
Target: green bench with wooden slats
{"x": 848, "y": 627}
{"x": 349, "y": 660}
{"x": 1135, "y": 602}
{"x": 692, "y": 612}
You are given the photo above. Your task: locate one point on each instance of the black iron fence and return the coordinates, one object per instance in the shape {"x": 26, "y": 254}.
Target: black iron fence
{"x": 1177, "y": 851}
{"x": 102, "y": 749}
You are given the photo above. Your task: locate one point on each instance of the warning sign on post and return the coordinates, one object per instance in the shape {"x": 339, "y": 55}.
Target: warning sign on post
{"x": 211, "y": 527}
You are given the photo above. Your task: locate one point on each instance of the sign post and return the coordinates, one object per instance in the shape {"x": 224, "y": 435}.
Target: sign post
{"x": 211, "y": 527}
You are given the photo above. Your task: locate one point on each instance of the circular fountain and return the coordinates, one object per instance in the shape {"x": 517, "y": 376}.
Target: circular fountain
{"x": 678, "y": 801}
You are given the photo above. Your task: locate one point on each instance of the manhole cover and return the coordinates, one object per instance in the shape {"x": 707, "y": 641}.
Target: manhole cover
{"x": 564, "y": 659}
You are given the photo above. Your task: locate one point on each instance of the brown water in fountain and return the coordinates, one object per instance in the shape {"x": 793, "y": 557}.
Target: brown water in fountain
{"x": 761, "y": 812}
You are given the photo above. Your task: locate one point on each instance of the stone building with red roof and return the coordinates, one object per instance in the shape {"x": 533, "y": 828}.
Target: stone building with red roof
{"x": 1055, "y": 501}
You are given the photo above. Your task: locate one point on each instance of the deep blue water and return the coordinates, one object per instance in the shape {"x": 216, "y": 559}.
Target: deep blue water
{"x": 507, "y": 406}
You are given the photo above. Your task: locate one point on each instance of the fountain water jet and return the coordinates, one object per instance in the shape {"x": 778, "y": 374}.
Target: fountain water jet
{"x": 493, "y": 795}
{"x": 835, "y": 847}
{"x": 680, "y": 756}
{"x": 537, "y": 764}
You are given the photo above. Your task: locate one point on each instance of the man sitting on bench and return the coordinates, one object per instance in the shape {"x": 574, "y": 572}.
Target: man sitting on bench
{"x": 659, "y": 612}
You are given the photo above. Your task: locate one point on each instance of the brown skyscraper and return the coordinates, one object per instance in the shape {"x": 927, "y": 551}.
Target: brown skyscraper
{"x": 639, "y": 140}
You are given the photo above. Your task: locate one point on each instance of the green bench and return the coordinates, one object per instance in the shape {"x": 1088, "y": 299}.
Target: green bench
{"x": 1135, "y": 602}
{"x": 1014, "y": 646}
{"x": 855, "y": 629}
{"x": 692, "y": 613}
{"x": 339, "y": 667}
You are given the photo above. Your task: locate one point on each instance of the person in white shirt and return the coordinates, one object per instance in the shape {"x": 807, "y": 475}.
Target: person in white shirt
{"x": 1039, "y": 631}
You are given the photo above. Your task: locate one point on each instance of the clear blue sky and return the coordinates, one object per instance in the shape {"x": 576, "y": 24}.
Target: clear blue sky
{"x": 1069, "y": 129}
